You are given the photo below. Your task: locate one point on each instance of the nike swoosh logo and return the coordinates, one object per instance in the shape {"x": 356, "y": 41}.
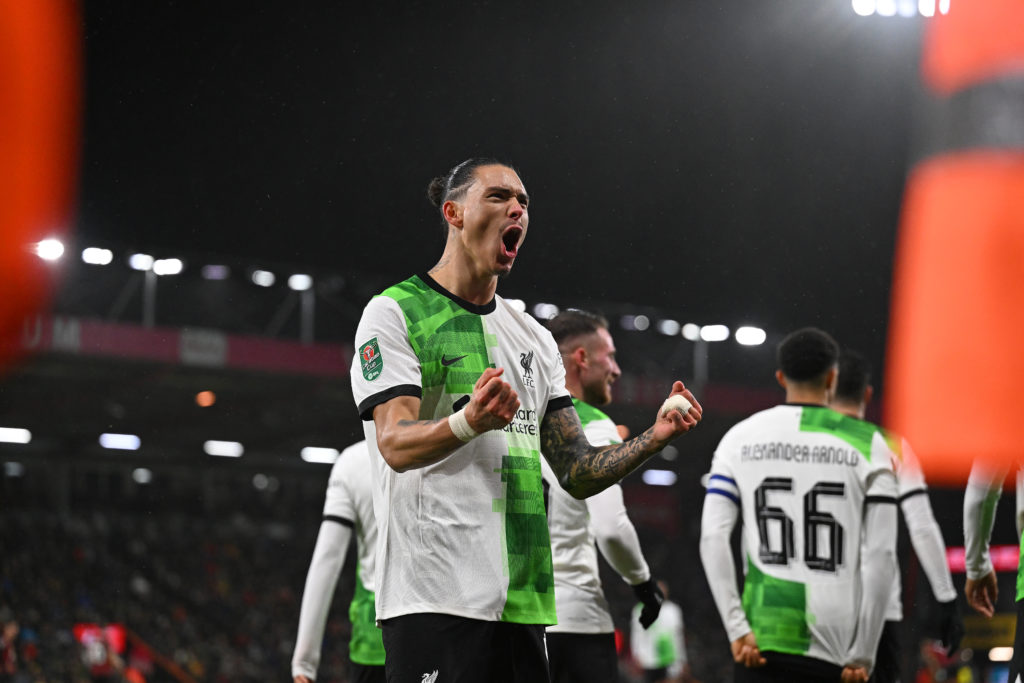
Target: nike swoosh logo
{"x": 451, "y": 361}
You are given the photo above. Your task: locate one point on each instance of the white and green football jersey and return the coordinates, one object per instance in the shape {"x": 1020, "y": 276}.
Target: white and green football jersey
{"x": 467, "y": 535}
{"x": 577, "y": 528}
{"x": 349, "y": 502}
{"x": 802, "y": 477}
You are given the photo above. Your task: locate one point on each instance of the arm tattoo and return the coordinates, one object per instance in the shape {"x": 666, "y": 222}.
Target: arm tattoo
{"x": 412, "y": 423}
{"x": 583, "y": 469}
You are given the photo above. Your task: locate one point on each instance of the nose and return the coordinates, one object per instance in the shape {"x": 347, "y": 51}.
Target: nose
{"x": 616, "y": 371}
{"x": 515, "y": 209}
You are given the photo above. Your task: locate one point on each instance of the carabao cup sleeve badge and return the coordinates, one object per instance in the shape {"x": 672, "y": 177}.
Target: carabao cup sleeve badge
{"x": 370, "y": 359}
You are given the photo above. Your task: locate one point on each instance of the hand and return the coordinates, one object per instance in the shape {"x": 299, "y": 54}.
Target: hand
{"x": 302, "y": 679}
{"x": 651, "y": 597}
{"x": 746, "y": 652}
{"x": 951, "y": 625}
{"x": 982, "y": 593}
{"x": 671, "y": 425}
{"x": 493, "y": 403}
{"x": 854, "y": 674}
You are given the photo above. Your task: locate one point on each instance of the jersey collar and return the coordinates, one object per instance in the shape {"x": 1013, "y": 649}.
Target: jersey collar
{"x": 478, "y": 309}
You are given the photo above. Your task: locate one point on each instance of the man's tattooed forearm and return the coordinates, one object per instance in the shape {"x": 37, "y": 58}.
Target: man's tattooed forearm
{"x": 583, "y": 469}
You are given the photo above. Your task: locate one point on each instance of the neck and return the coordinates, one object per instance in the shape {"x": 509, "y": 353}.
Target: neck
{"x": 847, "y": 408}
{"x": 461, "y": 280}
{"x": 574, "y": 387}
{"x": 818, "y": 397}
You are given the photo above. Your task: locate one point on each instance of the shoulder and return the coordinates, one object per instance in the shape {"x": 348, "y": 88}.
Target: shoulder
{"x": 353, "y": 459}
{"x": 588, "y": 413}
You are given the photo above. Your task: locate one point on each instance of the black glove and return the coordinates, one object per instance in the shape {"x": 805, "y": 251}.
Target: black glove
{"x": 951, "y": 625}
{"x": 651, "y": 597}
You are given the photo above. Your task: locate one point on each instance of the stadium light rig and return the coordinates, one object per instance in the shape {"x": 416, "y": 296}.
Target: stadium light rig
{"x": 318, "y": 454}
{"x": 49, "y": 249}
{"x": 263, "y": 278}
{"x": 168, "y": 266}
{"x": 659, "y": 477}
{"x": 15, "y": 435}
{"x": 750, "y": 336}
{"x": 300, "y": 282}
{"x": 714, "y": 333}
{"x": 140, "y": 262}
{"x": 224, "y": 449}
{"x": 902, "y": 8}
{"x": 691, "y": 332}
{"x": 120, "y": 442}
{"x": 545, "y": 311}
{"x": 216, "y": 271}
{"x": 97, "y": 256}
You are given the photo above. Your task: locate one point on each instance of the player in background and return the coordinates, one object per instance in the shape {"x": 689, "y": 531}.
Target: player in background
{"x": 984, "y": 487}
{"x": 459, "y": 394}
{"x": 581, "y": 647}
{"x": 852, "y": 395}
{"x": 817, "y": 495}
{"x": 348, "y": 509}
{"x": 661, "y": 649}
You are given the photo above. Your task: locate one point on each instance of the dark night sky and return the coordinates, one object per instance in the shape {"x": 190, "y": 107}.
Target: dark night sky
{"x": 730, "y": 162}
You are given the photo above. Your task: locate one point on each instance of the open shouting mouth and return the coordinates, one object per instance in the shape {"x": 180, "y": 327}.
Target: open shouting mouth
{"x": 510, "y": 240}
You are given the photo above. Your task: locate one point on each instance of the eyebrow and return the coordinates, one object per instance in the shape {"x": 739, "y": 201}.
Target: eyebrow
{"x": 507, "y": 192}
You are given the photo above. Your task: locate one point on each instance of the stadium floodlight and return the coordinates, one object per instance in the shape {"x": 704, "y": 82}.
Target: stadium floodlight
{"x": 659, "y": 477}
{"x": 714, "y": 333}
{"x": 224, "y": 449}
{"x": 96, "y": 256}
{"x": 300, "y": 282}
{"x": 141, "y": 475}
{"x": 216, "y": 271}
{"x": 691, "y": 331}
{"x": 641, "y": 322}
{"x": 13, "y": 469}
{"x": 885, "y": 8}
{"x": 669, "y": 453}
{"x": 263, "y": 278}
{"x": 140, "y": 262}
{"x": 15, "y": 435}
{"x": 517, "y": 304}
{"x": 944, "y": 6}
{"x": 545, "y": 311}
{"x": 168, "y": 266}
{"x": 120, "y": 442}
{"x": 864, "y": 8}
{"x": 750, "y": 336}
{"x": 926, "y": 8}
{"x": 1000, "y": 654}
{"x": 669, "y": 328}
{"x": 907, "y": 8}
{"x": 317, "y": 454}
{"x": 49, "y": 249}
{"x": 260, "y": 482}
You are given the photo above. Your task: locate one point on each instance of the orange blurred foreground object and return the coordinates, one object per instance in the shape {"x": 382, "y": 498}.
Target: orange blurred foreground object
{"x": 954, "y": 368}
{"x": 40, "y": 81}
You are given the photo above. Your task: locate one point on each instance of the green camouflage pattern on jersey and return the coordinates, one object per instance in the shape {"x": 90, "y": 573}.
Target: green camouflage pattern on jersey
{"x": 454, "y": 348}
{"x": 857, "y": 433}
{"x": 777, "y": 610}
{"x": 366, "y": 646}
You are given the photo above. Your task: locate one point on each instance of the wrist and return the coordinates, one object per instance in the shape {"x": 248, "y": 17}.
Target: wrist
{"x": 459, "y": 425}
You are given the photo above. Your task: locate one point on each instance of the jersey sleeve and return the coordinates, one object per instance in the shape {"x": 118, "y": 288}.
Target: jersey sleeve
{"x": 925, "y": 535}
{"x": 984, "y": 486}
{"x": 340, "y": 503}
{"x": 602, "y": 433}
{"x": 551, "y": 363}
{"x": 385, "y": 365}
{"x": 721, "y": 511}
{"x": 616, "y": 536}
{"x": 911, "y": 476}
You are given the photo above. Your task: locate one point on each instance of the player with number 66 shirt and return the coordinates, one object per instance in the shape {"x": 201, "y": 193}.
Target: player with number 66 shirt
{"x": 817, "y": 495}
